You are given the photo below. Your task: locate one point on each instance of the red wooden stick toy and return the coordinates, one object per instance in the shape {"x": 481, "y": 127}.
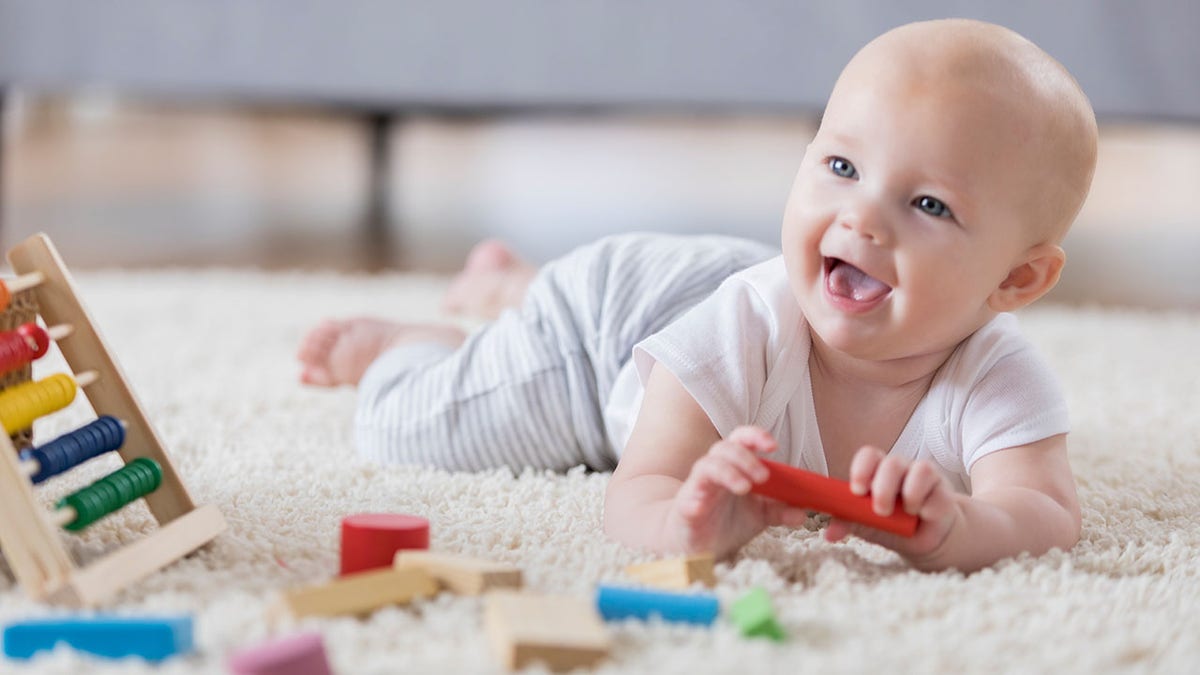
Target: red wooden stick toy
{"x": 808, "y": 490}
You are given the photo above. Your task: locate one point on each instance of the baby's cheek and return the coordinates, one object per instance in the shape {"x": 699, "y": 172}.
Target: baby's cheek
{"x": 803, "y": 229}
{"x": 799, "y": 260}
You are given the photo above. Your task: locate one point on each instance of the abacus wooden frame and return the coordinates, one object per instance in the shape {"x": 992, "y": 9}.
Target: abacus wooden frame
{"x": 31, "y": 544}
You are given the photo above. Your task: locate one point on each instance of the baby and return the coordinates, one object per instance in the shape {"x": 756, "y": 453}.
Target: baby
{"x": 879, "y": 347}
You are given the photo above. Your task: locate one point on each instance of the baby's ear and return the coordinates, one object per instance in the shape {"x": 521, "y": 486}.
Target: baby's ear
{"x": 1036, "y": 274}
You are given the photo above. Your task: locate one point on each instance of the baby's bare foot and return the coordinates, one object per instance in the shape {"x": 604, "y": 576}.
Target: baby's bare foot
{"x": 492, "y": 280}
{"x": 338, "y": 352}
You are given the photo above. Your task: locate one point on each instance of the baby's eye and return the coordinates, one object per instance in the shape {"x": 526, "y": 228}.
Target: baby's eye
{"x": 933, "y": 206}
{"x": 842, "y": 167}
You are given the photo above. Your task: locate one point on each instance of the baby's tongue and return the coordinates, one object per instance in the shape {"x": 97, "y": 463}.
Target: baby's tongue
{"x": 848, "y": 281}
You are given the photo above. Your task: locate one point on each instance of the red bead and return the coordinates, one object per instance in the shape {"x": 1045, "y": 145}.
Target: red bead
{"x": 14, "y": 351}
{"x": 36, "y": 334}
{"x": 370, "y": 540}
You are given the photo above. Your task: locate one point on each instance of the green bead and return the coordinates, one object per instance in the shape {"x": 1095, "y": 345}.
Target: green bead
{"x": 754, "y": 616}
{"x": 128, "y": 484}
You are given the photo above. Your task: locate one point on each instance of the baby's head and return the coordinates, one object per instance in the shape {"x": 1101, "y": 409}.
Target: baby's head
{"x": 951, "y": 160}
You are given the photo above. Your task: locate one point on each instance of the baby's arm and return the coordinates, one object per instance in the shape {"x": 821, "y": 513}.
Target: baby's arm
{"x": 1023, "y": 500}
{"x": 680, "y": 487}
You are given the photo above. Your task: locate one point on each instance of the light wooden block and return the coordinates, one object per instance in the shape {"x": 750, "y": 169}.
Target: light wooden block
{"x": 360, "y": 593}
{"x": 461, "y": 574}
{"x": 675, "y": 572}
{"x": 562, "y": 632}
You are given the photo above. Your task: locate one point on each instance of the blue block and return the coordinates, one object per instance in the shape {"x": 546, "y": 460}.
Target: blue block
{"x": 152, "y": 638}
{"x": 621, "y": 602}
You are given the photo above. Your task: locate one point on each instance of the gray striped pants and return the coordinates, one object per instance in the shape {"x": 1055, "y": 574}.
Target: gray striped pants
{"x": 528, "y": 389}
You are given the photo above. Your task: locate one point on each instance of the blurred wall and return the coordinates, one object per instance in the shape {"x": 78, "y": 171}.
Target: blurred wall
{"x": 549, "y": 184}
{"x": 284, "y": 188}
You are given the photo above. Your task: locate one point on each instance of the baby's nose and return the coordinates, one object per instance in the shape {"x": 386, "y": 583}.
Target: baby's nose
{"x": 867, "y": 221}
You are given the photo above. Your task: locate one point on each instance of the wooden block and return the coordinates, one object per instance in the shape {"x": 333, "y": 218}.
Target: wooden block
{"x": 461, "y": 574}
{"x": 562, "y": 632}
{"x": 675, "y": 572}
{"x": 360, "y": 593}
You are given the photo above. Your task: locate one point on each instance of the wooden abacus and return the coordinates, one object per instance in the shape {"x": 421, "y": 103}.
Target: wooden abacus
{"x": 29, "y": 536}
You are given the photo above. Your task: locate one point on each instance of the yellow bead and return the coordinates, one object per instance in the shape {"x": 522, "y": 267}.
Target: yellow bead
{"x": 22, "y": 404}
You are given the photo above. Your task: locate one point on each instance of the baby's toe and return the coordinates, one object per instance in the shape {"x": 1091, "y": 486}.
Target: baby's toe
{"x": 320, "y": 341}
{"x": 490, "y": 255}
{"x": 317, "y": 376}
{"x": 452, "y": 301}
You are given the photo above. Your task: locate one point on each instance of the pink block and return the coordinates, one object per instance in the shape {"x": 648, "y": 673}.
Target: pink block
{"x": 302, "y": 654}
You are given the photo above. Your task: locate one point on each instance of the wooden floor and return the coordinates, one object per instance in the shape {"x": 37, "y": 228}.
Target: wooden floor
{"x": 154, "y": 185}
{"x": 119, "y": 184}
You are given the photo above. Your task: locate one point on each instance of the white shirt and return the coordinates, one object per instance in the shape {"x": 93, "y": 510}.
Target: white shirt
{"x": 742, "y": 353}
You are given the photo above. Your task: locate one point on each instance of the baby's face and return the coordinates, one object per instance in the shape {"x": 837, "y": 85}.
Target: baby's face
{"x": 909, "y": 209}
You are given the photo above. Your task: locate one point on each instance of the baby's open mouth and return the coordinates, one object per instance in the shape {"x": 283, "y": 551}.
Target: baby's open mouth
{"x": 847, "y": 281}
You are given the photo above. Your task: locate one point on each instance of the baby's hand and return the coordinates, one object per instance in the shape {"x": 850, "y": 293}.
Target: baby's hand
{"x": 713, "y": 511}
{"x": 922, "y": 491}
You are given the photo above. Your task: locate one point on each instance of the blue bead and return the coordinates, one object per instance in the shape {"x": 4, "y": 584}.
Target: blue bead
{"x": 92, "y": 440}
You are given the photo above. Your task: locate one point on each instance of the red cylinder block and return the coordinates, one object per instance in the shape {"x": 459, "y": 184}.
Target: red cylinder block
{"x": 370, "y": 540}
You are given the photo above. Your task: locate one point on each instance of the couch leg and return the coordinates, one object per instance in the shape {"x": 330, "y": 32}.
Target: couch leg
{"x": 376, "y": 230}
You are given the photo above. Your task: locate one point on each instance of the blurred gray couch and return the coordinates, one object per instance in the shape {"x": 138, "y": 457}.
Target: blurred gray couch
{"x": 466, "y": 54}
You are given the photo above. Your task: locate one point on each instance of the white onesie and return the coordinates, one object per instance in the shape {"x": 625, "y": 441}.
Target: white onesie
{"x": 742, "y": 353}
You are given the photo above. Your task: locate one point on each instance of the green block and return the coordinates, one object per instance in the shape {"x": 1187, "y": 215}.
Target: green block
{"x": 755, "y": 617}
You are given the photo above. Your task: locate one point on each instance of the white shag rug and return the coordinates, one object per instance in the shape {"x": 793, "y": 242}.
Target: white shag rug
{"x": 210, "y": 355}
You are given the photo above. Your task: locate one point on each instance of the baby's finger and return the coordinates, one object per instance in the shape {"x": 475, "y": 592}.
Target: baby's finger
{"x": 744, "y": 460}
{"x": 702, "y": 489}
{"x": 863, "y": 467}
{"x": 885, "y": 486}
{"x": 754, "y": 438}
{"x": 696, "y": 498}
{"x": 715, "y": 469}
{"x": 938, "y": 505}
{"x": 778, "y": 513}
{"x": 837, "y": 530}
{"x": 920, "y": 481}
